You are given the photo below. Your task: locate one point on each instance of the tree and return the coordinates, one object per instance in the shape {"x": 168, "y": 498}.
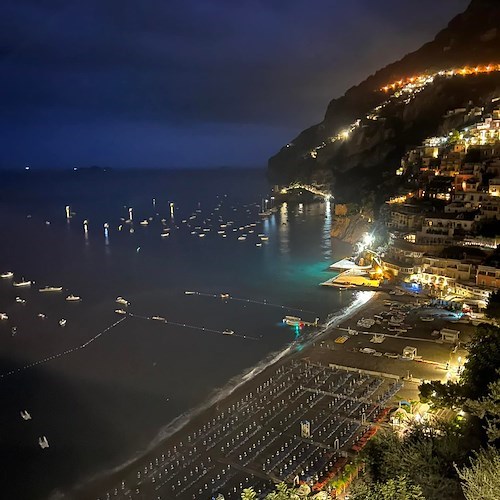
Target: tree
{"x": 248, "y": 494}
{"x": 283, "y": 492}
{"x": 488, "y": 409}
{"x": 480, "y": 370}
{"x": 481, "y": 479}
{"x": 448, "y": 395}
{"x": 399, "y": 488}
{"x": 423, "y": 455}
{"x": 493, "y": 307}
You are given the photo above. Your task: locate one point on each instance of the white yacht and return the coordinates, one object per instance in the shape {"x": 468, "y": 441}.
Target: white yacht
{"x": 51, "y": 289}
{"x": 20, "y": 300}
{"x": 42, "y": 441}
{"x": 165, "y": 235}
{"x": 73, "y": 298}
{"x": 121, "y": 300}
{"x": 144, "y": 222}
{"x": 187, "y": 292}
{"x": 62, "y": 322}
{"x": 242, "y": 238}
{"x": 225, "y": 296}
{"x": 158, "y": 318}
{"x": 4, "y": 316}
{"x": 25, "y": 415}
{"x": 22, "y": 283}
{"x": 41, "y": 316}
{"x": 228, "y": 332}
{"x": 8, "y": 274}
{"x": 120, "y": 311}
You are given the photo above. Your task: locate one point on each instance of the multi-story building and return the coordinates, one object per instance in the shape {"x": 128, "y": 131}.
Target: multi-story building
{"x": 443, "y": 228}
{"x": 488, "y": 276}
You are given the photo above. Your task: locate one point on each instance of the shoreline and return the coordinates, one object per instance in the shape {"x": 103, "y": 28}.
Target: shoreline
{"x": 171, "y": 432}
{"x": 341, "y": 350}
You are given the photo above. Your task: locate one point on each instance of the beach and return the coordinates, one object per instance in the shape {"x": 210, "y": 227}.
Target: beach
{"x": 226, "y": 445}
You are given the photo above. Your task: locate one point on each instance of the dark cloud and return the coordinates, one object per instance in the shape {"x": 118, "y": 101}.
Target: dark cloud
{"x": 191, "y": 68}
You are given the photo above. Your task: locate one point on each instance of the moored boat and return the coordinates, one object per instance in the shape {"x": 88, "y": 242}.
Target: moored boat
{"x": 51, "y": 289}
{"x": 43, "y": 442}
{"x": 24, "y": 283}
{"x": 8, "y": 274}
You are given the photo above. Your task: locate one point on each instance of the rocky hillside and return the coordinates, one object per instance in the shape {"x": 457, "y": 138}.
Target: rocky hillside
{"x": 364, "y": 133}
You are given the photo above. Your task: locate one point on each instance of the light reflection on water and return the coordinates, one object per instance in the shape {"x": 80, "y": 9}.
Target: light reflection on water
{"x": 121, "y": 382}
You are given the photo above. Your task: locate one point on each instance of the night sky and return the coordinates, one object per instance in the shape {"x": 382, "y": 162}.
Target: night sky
{"x": 188, "y": 83}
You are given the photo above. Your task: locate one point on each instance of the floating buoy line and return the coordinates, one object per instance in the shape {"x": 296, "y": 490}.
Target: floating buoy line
{"x": 192, "y": 327}
{"x": 64, "y": 353}
{"x": 225, "y": 296}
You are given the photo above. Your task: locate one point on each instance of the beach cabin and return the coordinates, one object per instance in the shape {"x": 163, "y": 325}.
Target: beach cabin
{"x": 450, "y": 336}
{"x": 305, "y": 429}
{"x": 409, "y": 352}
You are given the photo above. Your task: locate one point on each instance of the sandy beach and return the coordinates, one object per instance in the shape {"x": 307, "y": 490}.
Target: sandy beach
{"x": 310, "y": 381}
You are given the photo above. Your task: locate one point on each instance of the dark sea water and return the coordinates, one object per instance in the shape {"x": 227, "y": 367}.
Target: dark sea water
{"x": 103, "y": 404}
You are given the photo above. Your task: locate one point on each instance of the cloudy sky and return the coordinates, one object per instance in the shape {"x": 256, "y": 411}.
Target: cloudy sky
{"x": 187, "y": 83}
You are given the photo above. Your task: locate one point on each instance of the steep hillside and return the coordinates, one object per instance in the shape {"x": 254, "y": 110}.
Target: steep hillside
{"x": 365, "y": 132}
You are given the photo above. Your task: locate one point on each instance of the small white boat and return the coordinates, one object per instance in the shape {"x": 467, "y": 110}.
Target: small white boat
{"x": 62, "y": 322}
{"x": 73, "y": 298}
{"x": 20, "y": 300}
{"x": 51, "y": 289}
{"x": 187, "y": 292}
{"x": 121, "y": 300}
{"x": 264, "y": 238}
{"x": 258, "y": 244}
{"x": 228, "y": 332}
{"x": 41, "y": 316}
{"x": 144, "y": 222}
{"x": 242, "y": 238}
{"x": 164, "y": 235}
{"x": 42, "y": 441}
{"x": 25, "y": 415}
{"x": 158, "y": 318}
{"x": 8, "y": 274}
{"x": 22, "y": 283}
{"x": 120, "y": 311}
{"x": 4, "y": 316}
{"x": 225, "y": 296}
{"x": 202, "y": 235}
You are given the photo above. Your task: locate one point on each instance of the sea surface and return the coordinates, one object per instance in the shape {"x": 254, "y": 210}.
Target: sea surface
{"x": 103, "y": 399}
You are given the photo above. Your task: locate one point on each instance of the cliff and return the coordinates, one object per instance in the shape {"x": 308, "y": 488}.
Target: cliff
{"x": 349, "y": 228}
{"x": 366, "y": 131}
